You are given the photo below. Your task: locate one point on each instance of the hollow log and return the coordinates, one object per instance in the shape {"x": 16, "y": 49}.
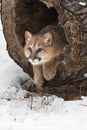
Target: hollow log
{"x": 33, "y": 15}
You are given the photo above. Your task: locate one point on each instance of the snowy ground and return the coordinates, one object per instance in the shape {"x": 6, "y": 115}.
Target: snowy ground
{"x": 50, "y": 113}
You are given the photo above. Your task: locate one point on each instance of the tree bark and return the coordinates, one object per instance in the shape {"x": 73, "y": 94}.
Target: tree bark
{"x": 13, "y": 46}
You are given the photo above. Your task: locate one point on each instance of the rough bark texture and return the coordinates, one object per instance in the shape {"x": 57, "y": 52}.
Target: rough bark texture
{"x": 21, "y": 15}
{"x": 13, "y": 46}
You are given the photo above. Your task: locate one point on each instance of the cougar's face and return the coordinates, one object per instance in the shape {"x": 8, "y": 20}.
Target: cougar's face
{"x": 39, "y": 49}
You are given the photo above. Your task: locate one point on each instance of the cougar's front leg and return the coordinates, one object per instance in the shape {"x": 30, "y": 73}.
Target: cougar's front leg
{"x": 38, "y": 75}
{"x": 49, "y": 70}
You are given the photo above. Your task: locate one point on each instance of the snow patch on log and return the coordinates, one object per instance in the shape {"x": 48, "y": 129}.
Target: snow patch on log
{"x": 83, "y": 3}
{"x": 85, "y": 75}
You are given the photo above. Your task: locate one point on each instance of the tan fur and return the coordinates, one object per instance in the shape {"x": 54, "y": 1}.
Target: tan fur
{"x": 45, "y": 52}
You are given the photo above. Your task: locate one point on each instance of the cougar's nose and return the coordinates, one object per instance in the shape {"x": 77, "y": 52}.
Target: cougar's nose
{"x": 33, "y": 57}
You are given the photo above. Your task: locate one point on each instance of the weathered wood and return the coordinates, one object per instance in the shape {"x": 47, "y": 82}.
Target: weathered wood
{"x": 13, "y": 46}
{"x": 71, "y": 91}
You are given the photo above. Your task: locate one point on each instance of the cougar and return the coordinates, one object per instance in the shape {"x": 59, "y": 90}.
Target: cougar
{"x": 45, "y": 52}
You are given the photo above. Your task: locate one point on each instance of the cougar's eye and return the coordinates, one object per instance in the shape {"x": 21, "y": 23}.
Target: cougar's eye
{"x": 29, "y": 49}
{"x": 39, "y": 50}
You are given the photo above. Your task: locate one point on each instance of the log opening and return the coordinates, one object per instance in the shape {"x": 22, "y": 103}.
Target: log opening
{"x": 33, "y": 16}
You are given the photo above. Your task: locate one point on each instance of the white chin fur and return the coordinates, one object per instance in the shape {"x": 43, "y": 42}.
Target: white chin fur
{"x": 34, "y": 62}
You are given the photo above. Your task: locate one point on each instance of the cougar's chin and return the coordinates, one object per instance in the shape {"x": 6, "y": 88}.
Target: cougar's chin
{"x": 34, "y": 62}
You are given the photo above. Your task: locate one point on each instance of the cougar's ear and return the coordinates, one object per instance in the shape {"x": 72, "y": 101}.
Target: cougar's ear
{"x": 47, "y": 37}
{"x": 28, "y": 36}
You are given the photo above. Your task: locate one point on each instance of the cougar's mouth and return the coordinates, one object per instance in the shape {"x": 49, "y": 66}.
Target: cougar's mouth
{"x": 35, "y": 61}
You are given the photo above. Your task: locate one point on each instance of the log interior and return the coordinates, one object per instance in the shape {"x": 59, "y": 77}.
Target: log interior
{"x": 33, "y": 16}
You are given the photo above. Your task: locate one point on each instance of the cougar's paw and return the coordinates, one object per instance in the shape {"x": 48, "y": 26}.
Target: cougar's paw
{"x": 26, "y": 85}
{"x": 39, "y": 89}
{"x": 50, "y": 75}
{"x": 39, "y": 83}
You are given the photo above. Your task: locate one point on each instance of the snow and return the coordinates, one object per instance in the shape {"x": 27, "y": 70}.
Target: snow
{"x": 48, "y": 113}
{"x": 83, "y": 3}
{"x": 85, "y": 75}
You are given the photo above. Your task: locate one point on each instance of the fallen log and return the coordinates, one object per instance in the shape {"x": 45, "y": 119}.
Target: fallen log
{"x": 33, "y": 15}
